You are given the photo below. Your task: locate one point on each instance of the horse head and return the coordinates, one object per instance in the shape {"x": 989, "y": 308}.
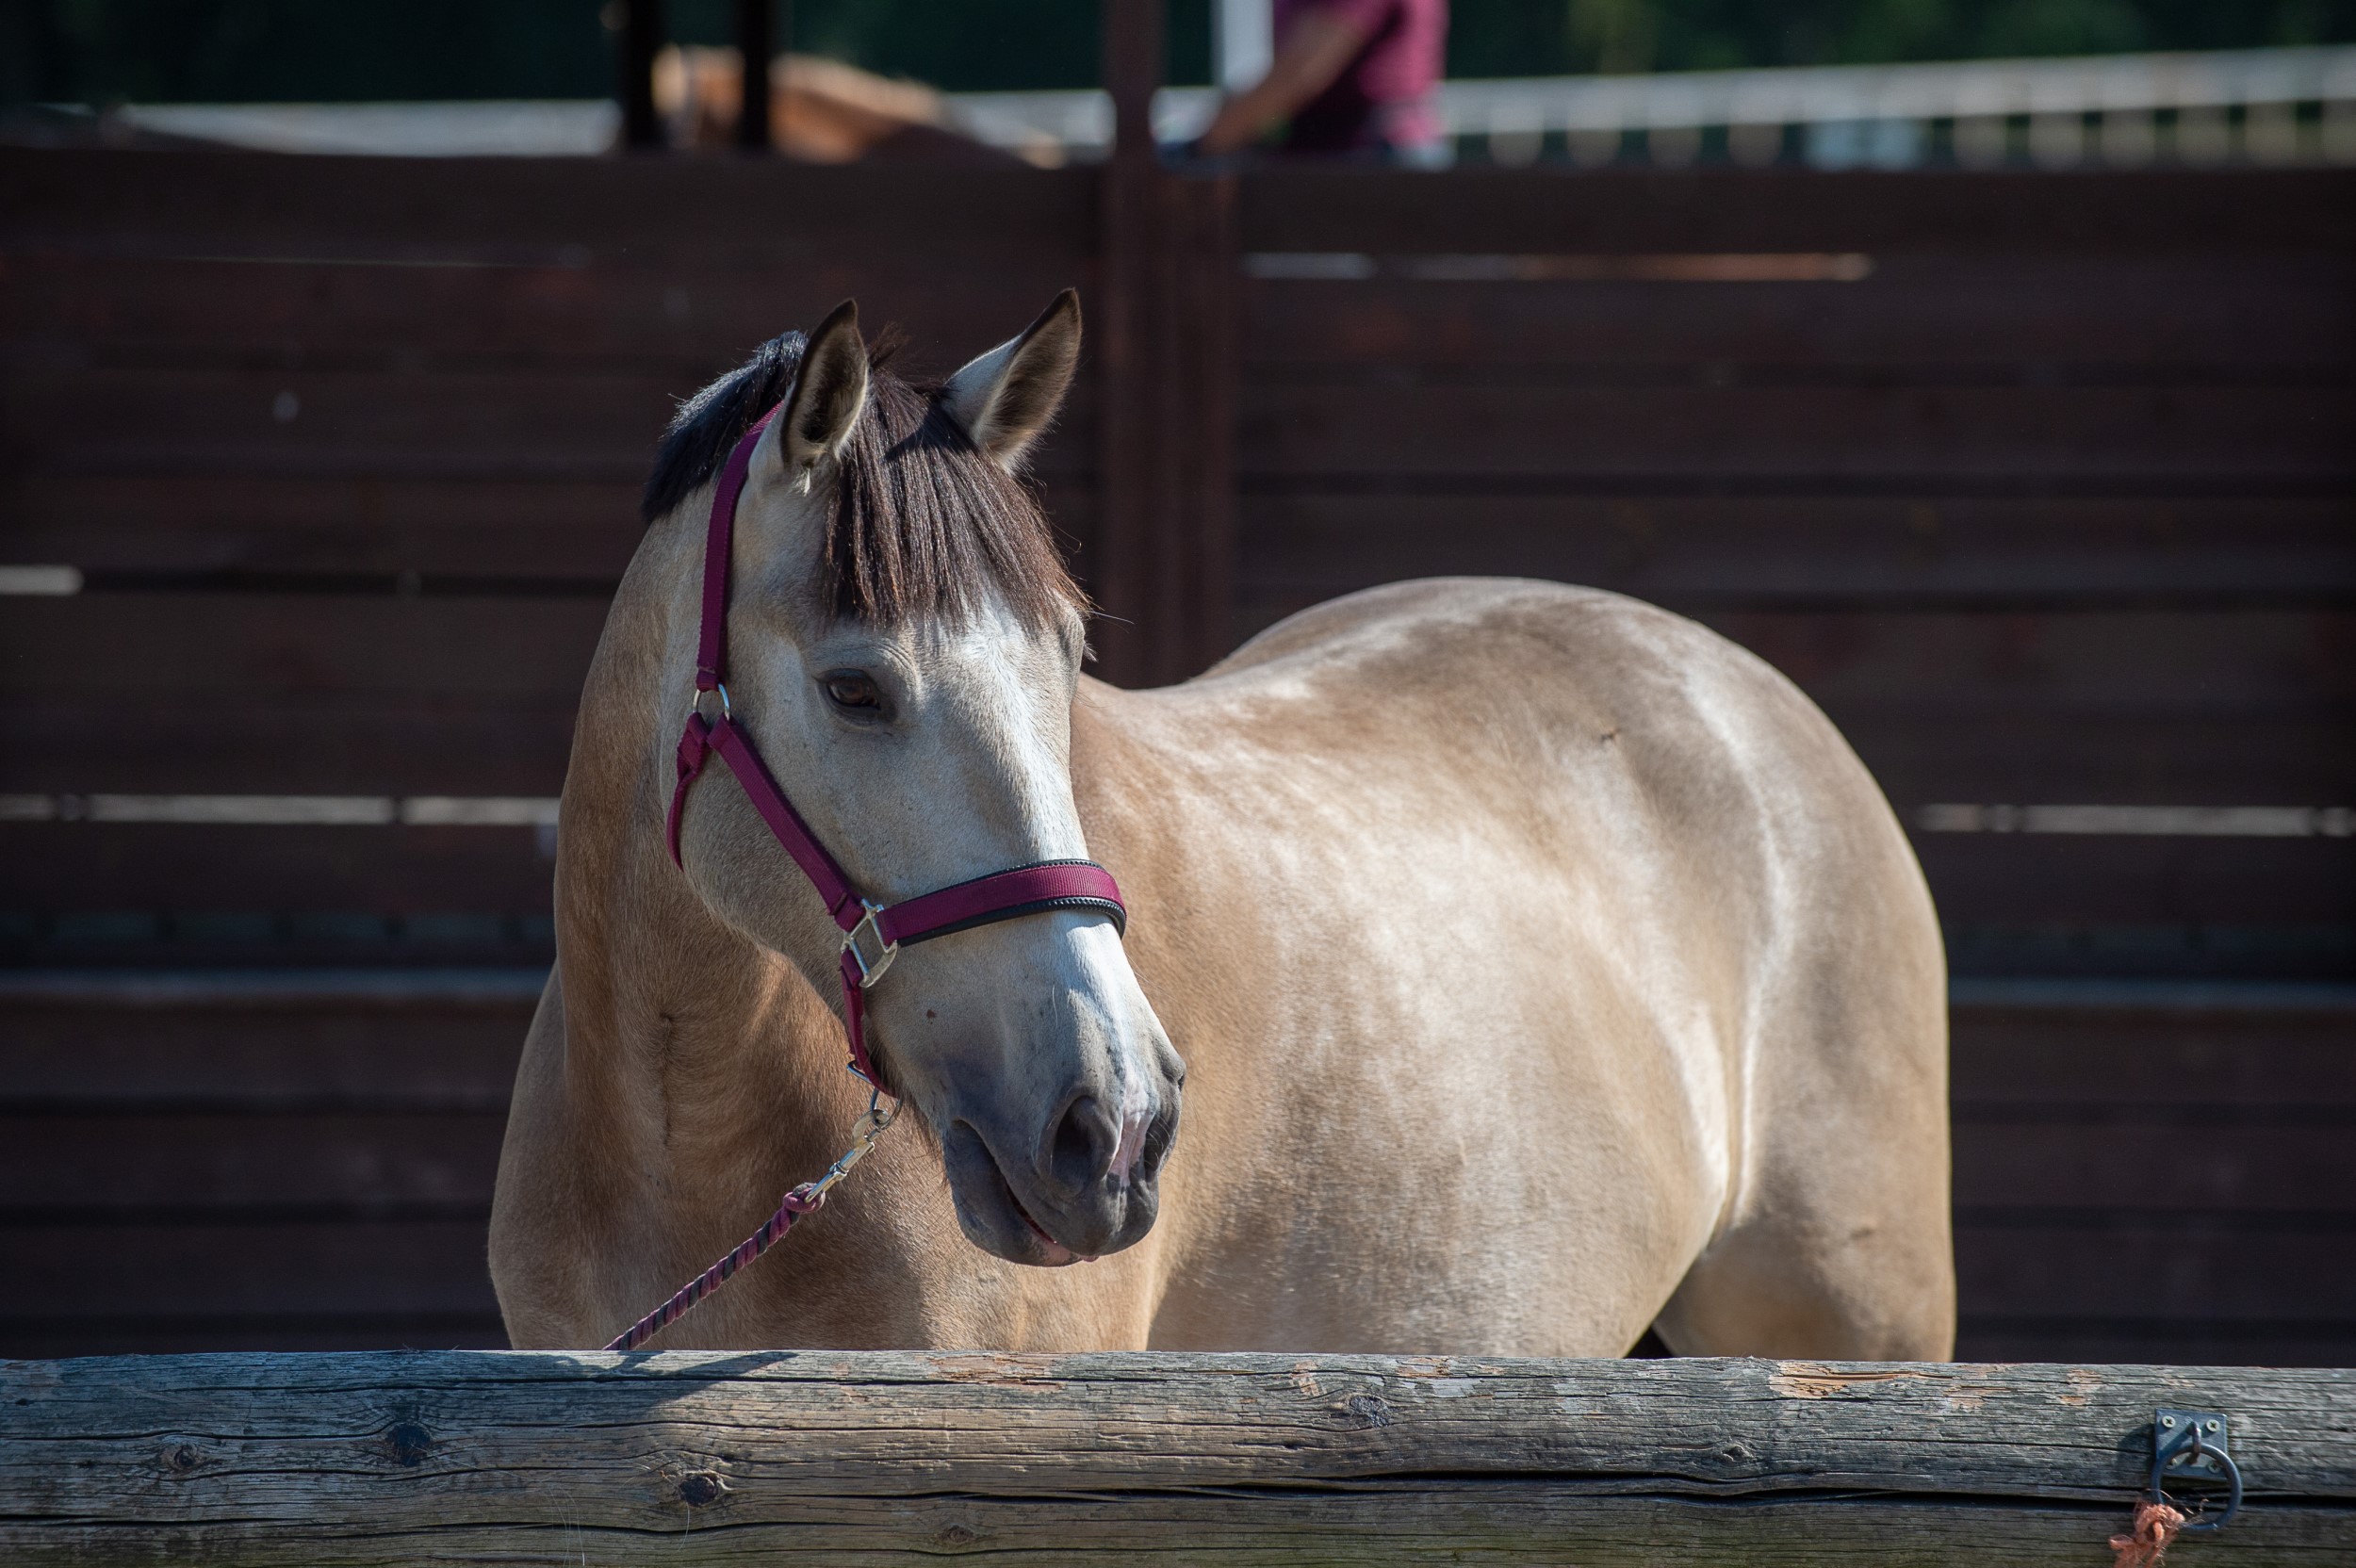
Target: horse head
{"x": 904, "y": 647}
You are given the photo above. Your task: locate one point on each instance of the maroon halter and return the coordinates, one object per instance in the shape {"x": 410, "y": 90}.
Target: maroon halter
{"x": 1031, "y": 889}
{"x": 873, "y": 934}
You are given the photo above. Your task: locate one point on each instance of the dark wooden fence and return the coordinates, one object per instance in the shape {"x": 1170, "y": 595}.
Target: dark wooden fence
{"x": 2041, "y": 484}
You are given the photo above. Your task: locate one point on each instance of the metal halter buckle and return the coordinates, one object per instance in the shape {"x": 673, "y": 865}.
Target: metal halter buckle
{"x": 869, "y": 973}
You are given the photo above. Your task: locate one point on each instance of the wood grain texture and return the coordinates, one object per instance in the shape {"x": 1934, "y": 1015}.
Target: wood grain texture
{"x": 1371, "y": 431}
{"x": 196, "y": 869}
{"x": 838, "y": 1458}
{"x": 2180, "y": 1065}
{"x": 564, "y": 425}
{"x": 1914, "y": 318}
{"x": 694, "y": 318}
{"x": 304, "y": 1059}
{"x": 1763, "y": 550}
{"x": 572, "y": 212}
{"x": 107, "y": 1167}
{"x": 261, "y": 1269}
{"x": 1558, "y": 211}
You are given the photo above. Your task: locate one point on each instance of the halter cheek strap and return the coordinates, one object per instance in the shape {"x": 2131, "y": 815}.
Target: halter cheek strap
{"x": 873, "y": 934}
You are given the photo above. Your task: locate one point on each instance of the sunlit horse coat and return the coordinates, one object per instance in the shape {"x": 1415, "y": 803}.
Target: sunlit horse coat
{"x": 1543, "y": 966}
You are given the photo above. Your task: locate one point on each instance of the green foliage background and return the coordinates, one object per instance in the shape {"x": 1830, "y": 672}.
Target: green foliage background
{"x": 100, "y": 50}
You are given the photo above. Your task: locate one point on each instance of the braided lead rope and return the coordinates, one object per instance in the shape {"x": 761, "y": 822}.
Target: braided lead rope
{"x": 804, "y": 1199}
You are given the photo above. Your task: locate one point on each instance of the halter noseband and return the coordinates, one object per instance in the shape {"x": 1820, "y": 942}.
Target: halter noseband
{"x": 873, "y": 934}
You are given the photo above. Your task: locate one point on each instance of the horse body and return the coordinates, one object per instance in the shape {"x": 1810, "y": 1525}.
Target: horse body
{"x": 1544, "y": 968}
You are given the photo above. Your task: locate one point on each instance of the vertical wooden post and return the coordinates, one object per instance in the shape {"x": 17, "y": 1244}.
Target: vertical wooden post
{"x": 1122, "y": 573}
{"x": 1199, "y": 475}
{"x": 754, "y": 47}
{"x": 640, "y": 41}
{"x": 1163, "y": 544}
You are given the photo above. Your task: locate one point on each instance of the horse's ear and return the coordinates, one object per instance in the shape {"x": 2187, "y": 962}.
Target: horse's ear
{"x": 1005, "y": 399}
{"x": 828, "y": 394}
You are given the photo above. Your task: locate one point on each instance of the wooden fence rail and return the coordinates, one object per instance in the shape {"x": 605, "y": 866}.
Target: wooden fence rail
{"x": 708, "y": 1457}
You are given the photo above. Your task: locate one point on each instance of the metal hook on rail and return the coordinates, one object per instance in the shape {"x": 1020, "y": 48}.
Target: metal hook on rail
{"x": 2191, "y": 1444}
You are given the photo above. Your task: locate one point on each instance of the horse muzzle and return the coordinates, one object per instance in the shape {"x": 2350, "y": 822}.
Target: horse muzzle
{"x": 1086, "y": 1184}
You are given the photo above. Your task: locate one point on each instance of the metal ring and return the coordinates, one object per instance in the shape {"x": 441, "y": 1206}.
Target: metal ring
{"x": 695, "y": 703}
{"x": 2190, "y": 1438}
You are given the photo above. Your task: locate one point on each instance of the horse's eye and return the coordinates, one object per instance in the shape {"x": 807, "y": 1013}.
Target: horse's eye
{"x": 852, "y": 690}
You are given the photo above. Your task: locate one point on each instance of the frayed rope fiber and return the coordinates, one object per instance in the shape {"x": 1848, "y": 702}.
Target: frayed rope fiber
{"x": 2146, "y": 1543}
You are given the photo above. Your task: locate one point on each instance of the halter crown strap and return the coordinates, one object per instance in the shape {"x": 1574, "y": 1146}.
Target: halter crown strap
{"x": 711, "y": 647}
{"x": 1042, "y": 888}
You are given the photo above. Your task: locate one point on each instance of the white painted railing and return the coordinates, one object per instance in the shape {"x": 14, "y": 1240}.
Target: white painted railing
{"x": 2249, "y": 105}
{"x": 2264, "y": 105}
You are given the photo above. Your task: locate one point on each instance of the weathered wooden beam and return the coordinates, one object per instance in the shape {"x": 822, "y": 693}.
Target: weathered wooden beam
{"x": 836, "y": 1457}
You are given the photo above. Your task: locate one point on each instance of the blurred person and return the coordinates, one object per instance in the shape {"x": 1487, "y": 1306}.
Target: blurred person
{"x": 1350, "y": 78}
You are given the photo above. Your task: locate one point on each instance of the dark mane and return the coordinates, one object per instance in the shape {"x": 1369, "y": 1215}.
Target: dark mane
{"x": 924, "y": 525}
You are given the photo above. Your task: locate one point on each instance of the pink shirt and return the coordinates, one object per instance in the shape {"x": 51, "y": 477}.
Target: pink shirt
{"x": 1383, "y": 97}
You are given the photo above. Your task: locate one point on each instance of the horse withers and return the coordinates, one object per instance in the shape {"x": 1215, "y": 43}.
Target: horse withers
{"x": 1543, "y": 967}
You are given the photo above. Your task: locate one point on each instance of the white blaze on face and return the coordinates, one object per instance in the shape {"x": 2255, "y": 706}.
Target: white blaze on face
{"x": 1006, "y": 671}
{"x": 1106, "y": 974}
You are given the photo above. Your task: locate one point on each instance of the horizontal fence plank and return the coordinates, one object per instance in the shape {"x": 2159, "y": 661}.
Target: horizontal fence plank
{"x": 102, "y": 1167}
{"x": 325, "y": 744}
{"x": 2043, "y": 753}
{"x": 102, "y": 867}
{"x": 293, "y": 693}
{"x": 2162, "y": 1168}
{"x": 575, "y": 425}
{"x": 2157, "y": 1344}
{"x": 837, "y": 1455}
{"x": 1747, "y": 211}
{"x": 372, "y": 1269}
{"x": 357, "y": 534}
{"x": 533, "y": 211}
{"x": 2159, "y": 662}
{"x": 1691, "y": 550}
{"x": 164, "y": 1332}
{"x": 2151, "y": 1269}
{"x": 547, "y": 532}
{"x": 503, "y": 424}
{"x": 262, "y": 647}
{"x": 2064, "y": 878}
{"x": 2186, "y": 1066}
{"x": 1365, "y": 430}
{"x": 1913, "y": 318}
{"x": 293, "y": 1058}
{"x": 693, "y": 320}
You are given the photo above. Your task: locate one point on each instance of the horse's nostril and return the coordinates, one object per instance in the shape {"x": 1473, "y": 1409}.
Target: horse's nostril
{"x": 1083, "y": 1146}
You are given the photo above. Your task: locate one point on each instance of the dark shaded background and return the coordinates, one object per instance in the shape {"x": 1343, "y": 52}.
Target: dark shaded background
{"x": 228, "y": 51}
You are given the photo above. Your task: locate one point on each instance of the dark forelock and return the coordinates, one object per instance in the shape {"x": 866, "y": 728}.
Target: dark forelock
{"x": 923, "y": 525}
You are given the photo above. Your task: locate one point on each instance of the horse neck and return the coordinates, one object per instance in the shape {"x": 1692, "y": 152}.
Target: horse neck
{"x": 695, "y": 1046}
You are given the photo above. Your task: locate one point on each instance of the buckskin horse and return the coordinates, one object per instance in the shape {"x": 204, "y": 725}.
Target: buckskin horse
{"x": 1534, "y": 966}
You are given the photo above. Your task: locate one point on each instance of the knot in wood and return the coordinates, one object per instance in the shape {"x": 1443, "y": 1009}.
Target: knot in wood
{"x": 181, "y": 1458}
{"x": 1368, "y": 1409}
{"x": 700, "y": 1488}
{"x": 408, "y": 1442}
